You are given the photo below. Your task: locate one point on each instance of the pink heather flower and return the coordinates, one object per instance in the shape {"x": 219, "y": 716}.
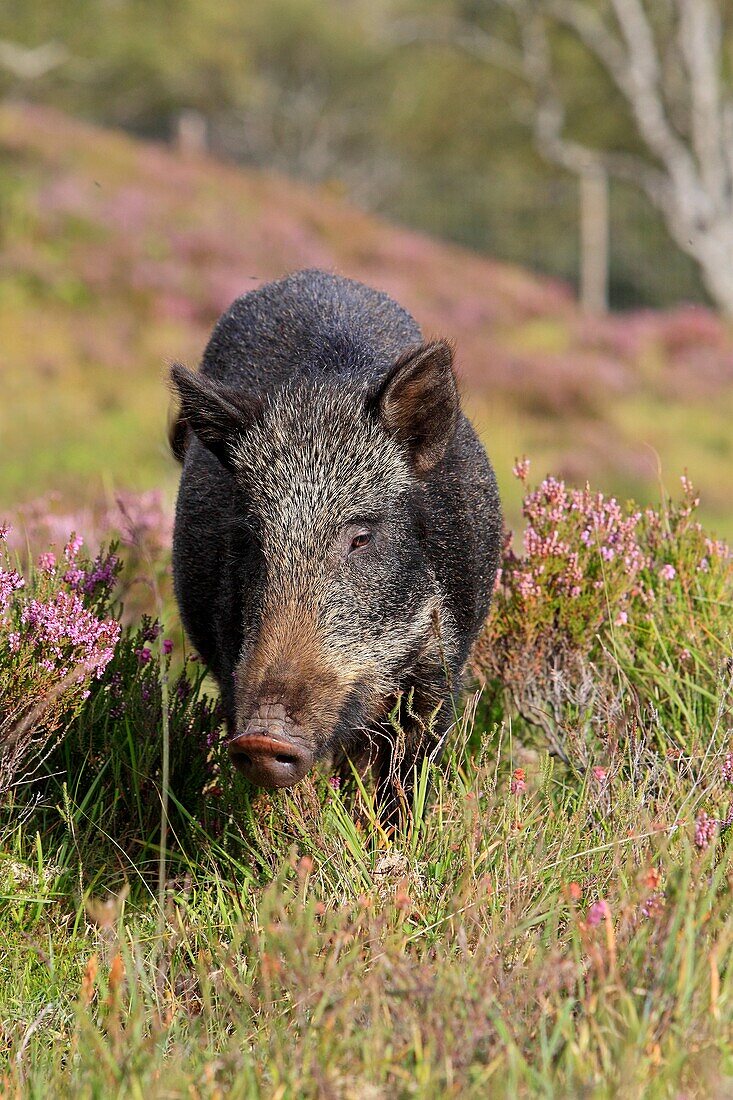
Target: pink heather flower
{"x": 10, "y": 581}
{"x": 622, "y": 618}
{"x": 727, "y": 769}
{"x": 599, "y": 774}
{"x": 73, "y": 547}
{"x": 47, "y": 562}
{"x": 74, "y": 575}
{"x": 5, "y": 530}
{"x": 167, "y": 645}
{"x": 597, "y": 912}
{"x": 716, "y": 548}
{"x": 518, "y": 781}
{"x": 685, "y": 656}
{"x": 704, "y": 830}
{"x": 521, "y": 468}
{"x": 144, "y": 655}
{"x": 668, "y": 572}
{"x": 334, "y": 782}
{"x": 66, "y": 632}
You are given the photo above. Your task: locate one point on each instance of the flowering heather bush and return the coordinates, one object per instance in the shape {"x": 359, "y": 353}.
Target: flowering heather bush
{"x": 603, "y": 594}
{"x": 114, "y": 748}
{"x": 82, "y": 708}
{"x": 82, "y": 699}
{"x": 55, "y": 639}
{"x": 140, "y": 522}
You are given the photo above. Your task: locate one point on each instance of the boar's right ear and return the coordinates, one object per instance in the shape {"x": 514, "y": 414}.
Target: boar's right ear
{"x": 418, "y": 403}
{"x": 215, "y": 414}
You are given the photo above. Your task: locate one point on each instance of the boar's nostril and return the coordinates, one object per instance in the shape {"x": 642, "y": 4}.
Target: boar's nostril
{"x": 270, "y": 761}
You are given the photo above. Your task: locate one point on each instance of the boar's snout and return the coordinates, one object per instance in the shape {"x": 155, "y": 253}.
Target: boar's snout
{"x": 269, "y": 762}
{"x": 266, "y": 754}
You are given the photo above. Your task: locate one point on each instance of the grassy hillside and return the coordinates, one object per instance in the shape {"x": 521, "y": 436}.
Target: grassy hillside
{"x": 117, "y": 256}
{"x": 552, "y": 915}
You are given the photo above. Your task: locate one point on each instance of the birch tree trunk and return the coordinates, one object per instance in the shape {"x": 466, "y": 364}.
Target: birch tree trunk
{"x": 594, "y": 237}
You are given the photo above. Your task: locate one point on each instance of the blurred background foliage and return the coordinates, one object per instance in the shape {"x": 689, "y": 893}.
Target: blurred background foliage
{"x": 364, "y": 96}
{"x": 118, "y": 252}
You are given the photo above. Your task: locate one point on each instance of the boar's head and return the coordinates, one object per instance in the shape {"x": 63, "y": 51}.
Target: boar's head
{"x": 340, "y": 595}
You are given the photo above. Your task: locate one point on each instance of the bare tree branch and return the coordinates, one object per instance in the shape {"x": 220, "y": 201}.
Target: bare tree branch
{"x": 34, "y": 62}
{"x": 700, "y": 38}
{"x": 550, "y": 124}
{"x": 459, "y": 34}
{"x": 685, "y": 123}
{"x": 641, "y": 87}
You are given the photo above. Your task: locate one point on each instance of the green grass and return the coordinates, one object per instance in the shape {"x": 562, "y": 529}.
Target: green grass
{"x": 310, "y": 955}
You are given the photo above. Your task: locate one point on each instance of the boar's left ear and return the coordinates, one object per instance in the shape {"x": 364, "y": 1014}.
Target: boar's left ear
{"x": 216, "y": 414}
{"x": 418, "y": 403}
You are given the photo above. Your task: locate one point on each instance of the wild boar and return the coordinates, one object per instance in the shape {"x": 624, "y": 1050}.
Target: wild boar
{"x": 337, "y": 531}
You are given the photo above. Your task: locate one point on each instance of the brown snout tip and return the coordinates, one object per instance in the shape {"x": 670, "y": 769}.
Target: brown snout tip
{"x": 270, "y": 761}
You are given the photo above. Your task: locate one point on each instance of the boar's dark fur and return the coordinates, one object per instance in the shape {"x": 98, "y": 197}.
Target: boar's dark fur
{"x": 337, "y": 530}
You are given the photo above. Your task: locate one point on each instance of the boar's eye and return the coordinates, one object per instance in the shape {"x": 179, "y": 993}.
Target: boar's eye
{"x": 360, "y": 540}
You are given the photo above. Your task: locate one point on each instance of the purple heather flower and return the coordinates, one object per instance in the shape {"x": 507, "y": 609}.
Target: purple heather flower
{"x": 704, "y": 830}
{"x": 103, "y": 573}
{"x": 334, "y": 782}
{"x": 10, "y": 581}
{"x": 668, "y": 572}
{"x": 47, "y": 562}
{"x": 151, "y": 631}
{"x": 167, "y": 645}
{"x": 143, "y": 655}
{"x": 654, "y": 905}
{"x": 727, "y": 768}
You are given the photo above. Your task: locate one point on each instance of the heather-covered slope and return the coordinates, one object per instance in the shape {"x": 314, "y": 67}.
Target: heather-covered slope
{"x": 117, "y": 256}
